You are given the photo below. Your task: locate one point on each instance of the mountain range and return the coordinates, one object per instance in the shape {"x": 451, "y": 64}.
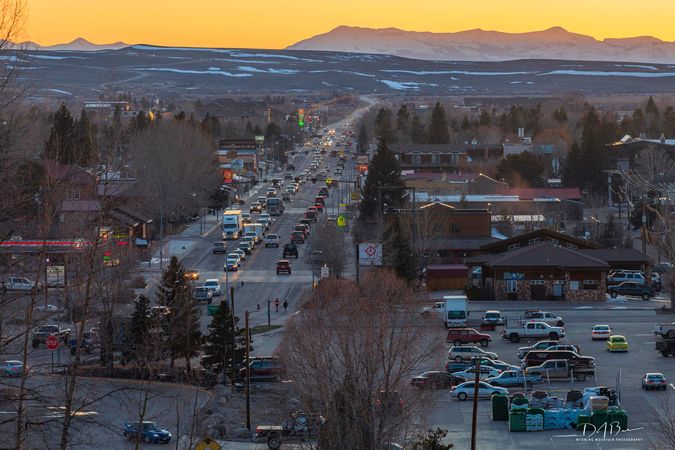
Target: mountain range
{"x": 78, "y": 45}
{"x": 481, "y": 45}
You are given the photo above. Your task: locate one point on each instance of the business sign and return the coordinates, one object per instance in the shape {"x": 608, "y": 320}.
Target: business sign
{"x": 237, "y": 164}
{"x": 228, "y": 176}
{"x": 259, "y": 139}
{"x": 56, "y": 276}
{"x": 325, "y": 272}
{"x": 362, "y": 159}
{"x": 356, "y": 196}
{"x": 363, "y": 168}
{"x": 370, "y": 254}
{"x": 514, "y": 275}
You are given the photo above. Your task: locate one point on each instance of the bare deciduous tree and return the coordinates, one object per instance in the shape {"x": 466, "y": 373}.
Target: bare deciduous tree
{"x": 654, "y": 163}
{"x": 352, "y": 350}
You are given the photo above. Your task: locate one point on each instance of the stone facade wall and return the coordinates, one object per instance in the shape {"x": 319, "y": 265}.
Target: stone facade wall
{"x": 580, "y": 295}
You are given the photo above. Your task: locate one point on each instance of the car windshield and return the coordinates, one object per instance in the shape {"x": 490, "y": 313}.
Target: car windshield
{"x": 655, "y": 377}
{"x": 601, "y": 328}
{"x": 272, "y": 236}
{"x": 492, "y": 315}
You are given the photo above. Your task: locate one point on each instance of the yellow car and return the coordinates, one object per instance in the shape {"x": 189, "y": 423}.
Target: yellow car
{"x": 617, "y": 343}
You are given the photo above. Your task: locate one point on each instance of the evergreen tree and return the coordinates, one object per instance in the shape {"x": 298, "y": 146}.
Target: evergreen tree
{"x": 417, "y": 131}
{"x": 572, "y": 170}
{"x": 172, "y": 284}
{"x": 466, "y": 124}
{"x": 611, "y": 234}
{"x": 651, "y": 107}
{"x": 521, "y": 170}
{"x": 248, "y": 132}
{"x": 140, "y": 325}
{"x": 383, "y": 170}
{"x": 185, "y": 336}
{"x": 438, "y": 126}
{"x": 383, "y": 128}
{"x": 398, "y": 252}
{"x": 218, "y": 345}
{"x": 139, "y": 123}
{"x": 639, "y": 123}
{"x": 61, "y": 145}
{"x": 362, "y": 141}
{"x": 84, "y": 140}
{"x": 402, "y": 118}
{"x": 484, "y": 119}
{"x": 257, "y": 131}
{"x": 560, "y": 115}
{"x": 180, "y": 115}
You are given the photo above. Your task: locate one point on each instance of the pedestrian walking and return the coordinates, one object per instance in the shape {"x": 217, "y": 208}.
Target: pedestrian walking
{"x": 276, "y": 304}
{"x": 285, "y": 305}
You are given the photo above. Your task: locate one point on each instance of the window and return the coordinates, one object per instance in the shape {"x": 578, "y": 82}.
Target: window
{"x": 590, "y": 284}
{"x": 511, "y": 286}
{"x": 416, "y": 158}
{"x": 532, "y": 241}
{"x": 456, "y": 228}
{"x": 572, "y": 246}
{"x": 435, "y": 158}
{"x": 537, "y": 282}
{"x": 513, "y": 246}
{"x": 73, "y": 194}
{"x": 554, "y": 241}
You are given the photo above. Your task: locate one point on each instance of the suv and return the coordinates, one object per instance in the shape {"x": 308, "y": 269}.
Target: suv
{"x": 20, "y": 284}
{"x": 203, "y": 294}
{"x": 541, "y": 345}
{"x": 283, "y": 266}
{"x": 267, "y": 369}
{"x": 149, "y": 431}
{"x": 631, "y": 288}
{"x": 459, "y": 336}
{"x": 620, "y": 276}
{"x": 272, "y": 240}
{"x": 255, "y": 208}
{"x": 543, "y": 316}
{"x": 493, "y": 317}
{"x": 311, "y": 215}
{"x": 290, "y": 250}
{"x": 537, "y": 357}
{"x": 466, "y": 353}
{"x": 298, "y": 237}
{"x": 213, "y": 284}
{"x": 219, "y": 247}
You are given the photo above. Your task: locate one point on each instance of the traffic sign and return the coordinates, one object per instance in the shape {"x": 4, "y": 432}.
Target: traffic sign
{"x": 329, "y": 181}
{"x": 343, "y": 205}
{"x": 52, "y": 342}
{"x": 356, "y": 196}
{"x": 211, "y": 310}
{"x": 208, "y": 443}
{"x": 341, "y": 220}
{"x": 324, "y": 272}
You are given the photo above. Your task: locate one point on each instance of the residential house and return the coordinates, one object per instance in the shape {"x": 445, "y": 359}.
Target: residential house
{"x": 429, "y": 157}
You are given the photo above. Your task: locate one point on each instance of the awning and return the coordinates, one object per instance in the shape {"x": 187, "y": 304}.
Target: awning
{"x": 141, "y": 242}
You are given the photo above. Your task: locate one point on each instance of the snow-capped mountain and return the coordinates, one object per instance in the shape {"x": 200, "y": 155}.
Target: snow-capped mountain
{"x": 481, "y": 45}
{"x": 76, "y": 45}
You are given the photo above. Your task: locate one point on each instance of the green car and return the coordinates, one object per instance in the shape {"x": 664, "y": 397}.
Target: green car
{"x": 617, "y": 343}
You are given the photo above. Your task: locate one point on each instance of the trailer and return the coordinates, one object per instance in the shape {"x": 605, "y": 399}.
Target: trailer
{"x": 232, "y": 224}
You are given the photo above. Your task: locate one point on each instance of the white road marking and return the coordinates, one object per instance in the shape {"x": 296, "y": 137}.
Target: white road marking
{"x": 671, "y": 385}
{"x": 584, "y": 307}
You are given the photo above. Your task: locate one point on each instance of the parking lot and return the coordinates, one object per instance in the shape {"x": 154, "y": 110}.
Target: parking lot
{"x": 622, "y": 371}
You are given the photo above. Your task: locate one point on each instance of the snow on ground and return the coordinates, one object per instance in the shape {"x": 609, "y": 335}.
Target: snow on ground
{"x": 404, "y": 85}
{"x": 454, "y": 72}
{"x": 273, "y": 71}
{"x": 194, "y": 72}
{"x": 602, "y": 73}
{"x": 52, "y": 57}
{"x": 58, "y": 91}
{"x": 636, "y": 66}
{"x": 361, "y": 74}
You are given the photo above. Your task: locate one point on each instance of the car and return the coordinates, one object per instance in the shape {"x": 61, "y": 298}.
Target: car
{"x": 494, "y": 363}
{"x": 302, "y": 227}
{"x": 203, "y": 294}
{"x": 241, "y": 253}
{"x": 246, "y": 247}
{"x": 272, "y": 240}
{"x": 255, "y": 207}
{"x": 48, "y": 307}
{"x": 631, "y": 288}
{"x": 232, "y": 263}
{"x": 537, "y": 357}
{"x": 20, "y": 284}
{"x": 466, "y": 353}
{"x": 288, "y": 176}
{"x": 290, "y": 250}
{"x": 459, "y": 336}
{"x": 567, "y": 347}
{"x": 312, "y": 208}
{"x": 272, "y": 192}
{"x": 323, "y": 192}
{"x": 619, "y": 276}
{"x": 318, "y": 207}
{"x": 214, "y": 285}
{"x": 219, "y": 247}
{"x": 298, "y": 237}
{"x": 192, "y": 274}
{"x": 493, "y": 317}
{"x": 514, "y": 378}
{"x": 470, "y": 373}
{"x": 265, "y": 217}
{"x": 11, "y": 369}
{"x": 262, "y": 201}
{"x": 283, "y": 266}
{"x": 310, "y": 215}
{"x": 437, "y": 309}
{"x": 149, "y": 432}
{"x": 286, "y": 196}
{"x": 654, "y": 381}
{"x": 250, "y": 240}
{"x": 465, "y": 390}
{"x": 600, "y": 332}
{"x": 617, "y": 343}
{"x": 245, "y": 217}
{"x": 257, "y": 238}
{"x": 332, "y": 219}
{"x": 435, "y": 379}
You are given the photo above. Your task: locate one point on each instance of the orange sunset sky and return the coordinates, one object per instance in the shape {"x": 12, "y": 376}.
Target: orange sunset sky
{"x": 277, "y": 24}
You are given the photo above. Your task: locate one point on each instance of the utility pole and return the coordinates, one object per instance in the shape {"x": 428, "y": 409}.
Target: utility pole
{"x": 248, "y": 375}
{"x": 234, "y": 338}
{"x": 269, "y": 315}
{"x": 474, "y": 415}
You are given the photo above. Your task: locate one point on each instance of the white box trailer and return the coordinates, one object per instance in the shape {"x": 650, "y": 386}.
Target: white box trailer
{"x": 456, "y": 311}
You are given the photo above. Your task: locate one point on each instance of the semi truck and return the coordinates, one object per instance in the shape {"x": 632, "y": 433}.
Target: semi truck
{"x": 232, "y": 224}
{"x": 456, "y": 311}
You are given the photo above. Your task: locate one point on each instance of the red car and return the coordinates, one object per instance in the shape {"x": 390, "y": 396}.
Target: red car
{"x": 459, "y": 336}
{"x": 283, "y": 266}
{"x": 311, "y": 215}
{"x": 318, "y": 207}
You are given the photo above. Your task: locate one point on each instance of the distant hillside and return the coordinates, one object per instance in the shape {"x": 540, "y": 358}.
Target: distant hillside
{"x": 77, "y": 45}
{"x": 480, "y": 45}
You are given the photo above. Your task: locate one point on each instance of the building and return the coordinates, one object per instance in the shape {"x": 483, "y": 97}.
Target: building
{"x": 541, "y": 271}
{"x": 239, "y": 157}
{"x": 536, "y": 237}
{"x": 430, "y": 157}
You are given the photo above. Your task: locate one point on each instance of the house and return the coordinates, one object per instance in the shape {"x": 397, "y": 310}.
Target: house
{"x": 74, "y": 189}
{"x": 536, "y": 237}
{"x": 541, "y": 271}
{"x": 429, "y": 157}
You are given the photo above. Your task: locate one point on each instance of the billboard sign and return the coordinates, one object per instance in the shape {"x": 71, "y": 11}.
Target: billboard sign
{"x": 228, "y": 176}
{"x": 370, "y": 254}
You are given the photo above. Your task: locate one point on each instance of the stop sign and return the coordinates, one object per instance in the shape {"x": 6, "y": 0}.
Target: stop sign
{"x": 52, "y": 342}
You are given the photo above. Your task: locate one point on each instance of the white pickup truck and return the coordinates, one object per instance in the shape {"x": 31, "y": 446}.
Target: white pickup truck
{"x": 667, "y": 331}
{"x": 533, "y": 330}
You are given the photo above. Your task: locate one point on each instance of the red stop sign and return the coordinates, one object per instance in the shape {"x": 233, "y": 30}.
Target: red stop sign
{"x": 52, "y": 342}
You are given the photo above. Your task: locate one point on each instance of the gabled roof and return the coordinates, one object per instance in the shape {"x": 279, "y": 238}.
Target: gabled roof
{"x": 544, "y": 254}
{"x": 531, "y": 193}
{"x": 71, "y": 173}
{"x": 618, "y": 255}
{"x": 543, "y": 232}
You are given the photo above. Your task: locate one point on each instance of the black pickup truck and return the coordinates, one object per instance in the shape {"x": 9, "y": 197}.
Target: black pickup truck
{"x": 666, "y": 347}
{"x": 40, "y": 336}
